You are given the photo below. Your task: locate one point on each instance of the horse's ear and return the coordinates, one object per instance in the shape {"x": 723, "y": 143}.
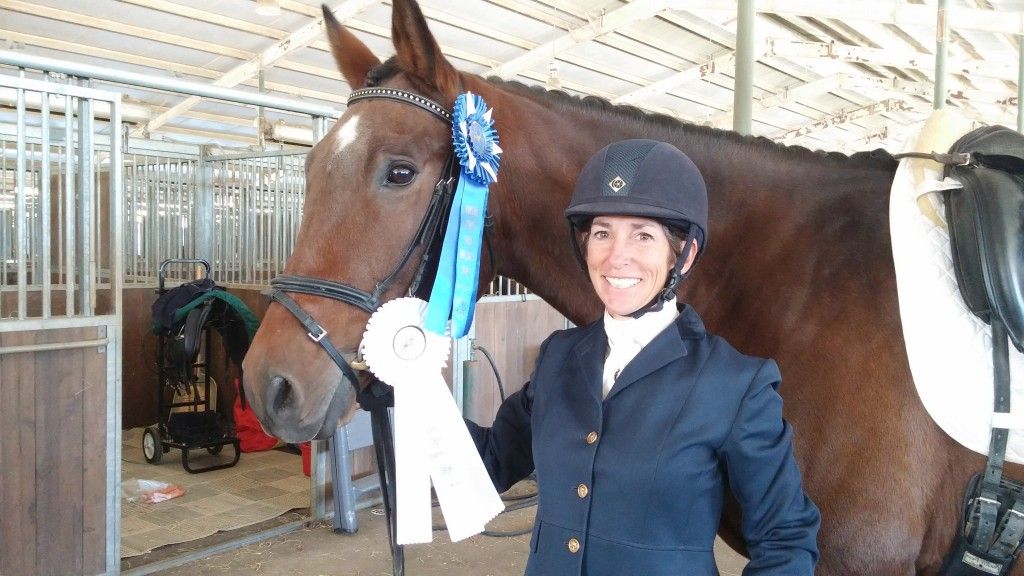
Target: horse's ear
{"x": 354, "y": 59}
{"x": 417, "y": 51}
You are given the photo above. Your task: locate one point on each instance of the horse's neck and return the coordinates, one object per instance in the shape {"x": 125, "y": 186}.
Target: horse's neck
{"x": 768, "y": 191}
{"x": 543, "y": 155}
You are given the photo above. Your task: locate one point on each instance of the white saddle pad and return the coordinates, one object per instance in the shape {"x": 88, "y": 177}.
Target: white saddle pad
{"x": 950, "y": 349}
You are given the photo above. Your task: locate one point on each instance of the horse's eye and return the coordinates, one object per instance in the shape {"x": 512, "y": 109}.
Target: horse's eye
{"x": 401, "y": 174}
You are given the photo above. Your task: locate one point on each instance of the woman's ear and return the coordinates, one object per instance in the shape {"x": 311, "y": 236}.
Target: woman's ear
{"x": 691, "y": 256}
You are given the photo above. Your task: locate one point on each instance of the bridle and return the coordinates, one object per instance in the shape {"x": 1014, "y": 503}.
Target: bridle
{"x": 427, "y": 234}
{"x": 375, "y": 398}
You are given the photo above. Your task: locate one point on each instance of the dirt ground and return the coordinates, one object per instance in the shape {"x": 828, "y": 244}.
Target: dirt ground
{"x": 318, "y": 551}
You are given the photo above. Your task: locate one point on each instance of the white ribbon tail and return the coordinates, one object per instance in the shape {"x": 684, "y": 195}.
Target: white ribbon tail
{"x": 464, "y": 489}
{"x": 412, "y": 469}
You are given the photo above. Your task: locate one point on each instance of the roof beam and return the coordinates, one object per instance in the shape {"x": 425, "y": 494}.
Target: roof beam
{"x": 155, "y": 63}
{"x": 896, "y": 12}
{"x": 843, "y": 117}
{"x": 906, "y": 59}
{"x": 784, "y": 97}
{"x": 892, "y": 87}
{"x": 721, "y": 64}
{"x": 235, "y": 24}
{"x": 121, "y": 28}
{"x": 698, "y": 24}
{"x": 298, "y": 39}
{"x": 605, "y": 23}
{"x": 209, "y": 17}
{"x": 925, "y": 90}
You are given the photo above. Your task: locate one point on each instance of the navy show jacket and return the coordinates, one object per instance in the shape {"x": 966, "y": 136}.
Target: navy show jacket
{"x": 635, "y": 484}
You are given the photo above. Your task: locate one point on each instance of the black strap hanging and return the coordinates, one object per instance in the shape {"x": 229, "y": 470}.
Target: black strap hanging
{"x": 376, "y": 398}
{"x": 992, "y": 523}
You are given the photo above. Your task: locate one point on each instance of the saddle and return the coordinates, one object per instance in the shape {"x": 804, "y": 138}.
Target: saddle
{"x": 986, "y": 226}
{"x": 183, "y": 349}
{"x": 986, "y": 234}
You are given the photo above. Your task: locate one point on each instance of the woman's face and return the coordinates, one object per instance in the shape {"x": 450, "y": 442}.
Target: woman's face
{"x": 628, "y": 259}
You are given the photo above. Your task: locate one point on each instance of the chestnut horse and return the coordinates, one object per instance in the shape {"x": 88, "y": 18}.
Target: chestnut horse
{"x": 799, "y": 268}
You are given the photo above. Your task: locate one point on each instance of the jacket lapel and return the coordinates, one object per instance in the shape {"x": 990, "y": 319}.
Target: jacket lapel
{"x": 590, "y": 353}
{"x": 667, "y": 347}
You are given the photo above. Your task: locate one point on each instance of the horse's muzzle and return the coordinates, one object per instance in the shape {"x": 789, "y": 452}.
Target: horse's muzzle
{"x": 291, "y": 416}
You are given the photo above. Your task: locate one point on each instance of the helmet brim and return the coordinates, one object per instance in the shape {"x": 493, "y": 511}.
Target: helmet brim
{"x": 589, "y": 210}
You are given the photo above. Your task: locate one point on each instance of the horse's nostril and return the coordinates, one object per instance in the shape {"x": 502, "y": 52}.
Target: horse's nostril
{"x": 279, "y": 394}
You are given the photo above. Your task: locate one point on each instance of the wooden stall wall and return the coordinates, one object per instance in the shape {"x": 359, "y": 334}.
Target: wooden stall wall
{"x": 512, "y": 332}
{"x": 53, "y": 473}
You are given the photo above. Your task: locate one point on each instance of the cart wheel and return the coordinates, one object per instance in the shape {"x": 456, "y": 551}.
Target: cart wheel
{"x": 215, "y": 449}
{"x": 151, "y": 447}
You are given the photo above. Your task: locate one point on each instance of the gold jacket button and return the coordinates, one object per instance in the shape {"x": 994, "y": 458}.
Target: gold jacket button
{"x": 573, "y": 545}
{"x": 592, "y": 437}
{"x": 582, "y": 490}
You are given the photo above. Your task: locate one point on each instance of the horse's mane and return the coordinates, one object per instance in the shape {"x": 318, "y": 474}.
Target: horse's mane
{"x": 661, "y": 122}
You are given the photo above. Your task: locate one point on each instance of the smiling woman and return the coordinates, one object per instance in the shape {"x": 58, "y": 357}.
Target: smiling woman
{"x": 668, "y": 413}
{"x": 628, "y": 259}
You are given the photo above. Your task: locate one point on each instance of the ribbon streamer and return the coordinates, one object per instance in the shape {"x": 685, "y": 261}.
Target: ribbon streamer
{"x": 431, "y": 440}
{"x": 475, "y": 142}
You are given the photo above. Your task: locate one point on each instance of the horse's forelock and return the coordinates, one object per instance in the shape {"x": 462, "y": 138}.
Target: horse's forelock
{"x": 382, "y": 72}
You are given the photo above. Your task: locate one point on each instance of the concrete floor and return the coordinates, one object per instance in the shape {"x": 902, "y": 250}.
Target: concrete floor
{"x": 318, "y": 551}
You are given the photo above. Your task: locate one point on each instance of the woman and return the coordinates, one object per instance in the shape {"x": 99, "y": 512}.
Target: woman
{"x": 637, "y": 424}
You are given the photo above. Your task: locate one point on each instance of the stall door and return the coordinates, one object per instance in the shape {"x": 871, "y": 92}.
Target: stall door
{"x": 60, "y": 314}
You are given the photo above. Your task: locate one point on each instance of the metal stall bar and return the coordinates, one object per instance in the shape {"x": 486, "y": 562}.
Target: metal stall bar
{"x": 114, "y": 356}
{"x": 84, "y": 185}
{"x": 203, "y": 215}
{"x": 941, "y": 52}
{"x": 22, "y": 60}
{"x": 44, "y": 200}
{"x": 20, "y": 211}
{"x": 1020, "y": 83}
{"x": 743, "y": 94}
{"x": 69, "y": 208}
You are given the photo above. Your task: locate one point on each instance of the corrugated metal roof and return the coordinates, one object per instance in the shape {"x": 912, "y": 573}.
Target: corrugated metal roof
{"x": 842, "y": 75}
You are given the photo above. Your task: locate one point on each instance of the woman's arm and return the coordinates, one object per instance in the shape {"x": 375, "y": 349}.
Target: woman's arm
{"x": 780, "y": 523}
{"x": 507, "y": 446}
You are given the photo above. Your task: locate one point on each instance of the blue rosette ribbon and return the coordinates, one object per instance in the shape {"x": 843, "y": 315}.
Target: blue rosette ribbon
{"x": 475, "y": 143}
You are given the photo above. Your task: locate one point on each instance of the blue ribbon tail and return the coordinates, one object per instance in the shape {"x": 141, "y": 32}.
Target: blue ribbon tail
{"x": 467, "y": 273}
{"x": 439, "y": 306}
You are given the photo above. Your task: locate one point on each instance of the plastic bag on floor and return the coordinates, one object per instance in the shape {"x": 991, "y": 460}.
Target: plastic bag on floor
{"x": 149, "y": 491}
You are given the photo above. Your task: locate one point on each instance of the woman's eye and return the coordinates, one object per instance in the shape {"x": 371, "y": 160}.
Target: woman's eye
{"x": 600, "y": 234}
{"x": 401, "y": 174}
{"x": 644, "y": 236}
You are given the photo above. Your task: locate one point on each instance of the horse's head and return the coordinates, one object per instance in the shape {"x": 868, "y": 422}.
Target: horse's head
{"x": 369, "y": 182}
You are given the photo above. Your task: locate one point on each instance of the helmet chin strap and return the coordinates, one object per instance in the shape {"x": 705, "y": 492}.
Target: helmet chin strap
{"x": 668, "y": 293}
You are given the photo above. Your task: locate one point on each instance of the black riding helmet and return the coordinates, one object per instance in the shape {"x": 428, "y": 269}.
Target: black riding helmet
{"x": 643, "y": 178}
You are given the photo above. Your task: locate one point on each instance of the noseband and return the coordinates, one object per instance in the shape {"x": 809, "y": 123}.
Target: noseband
{"x": 426, "y": 234}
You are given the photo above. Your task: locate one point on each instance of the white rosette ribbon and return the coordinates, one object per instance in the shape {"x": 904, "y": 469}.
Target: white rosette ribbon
{"x": 431, "y": 440}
